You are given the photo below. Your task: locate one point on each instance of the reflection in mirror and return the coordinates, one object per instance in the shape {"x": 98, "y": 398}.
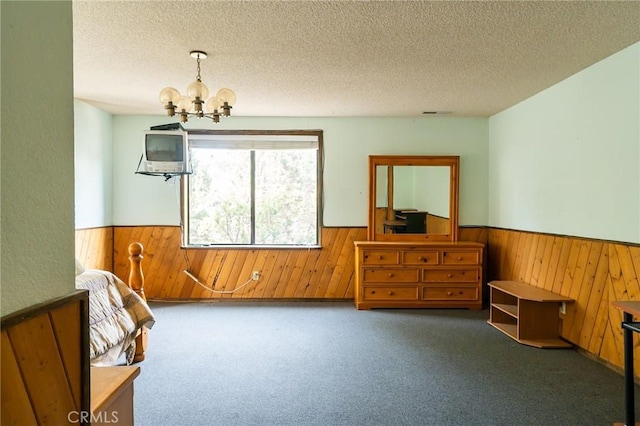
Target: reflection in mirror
{"x": 415, "y": 198}
{"x": 422, "y": 187}
{"x": 420, "y": 196}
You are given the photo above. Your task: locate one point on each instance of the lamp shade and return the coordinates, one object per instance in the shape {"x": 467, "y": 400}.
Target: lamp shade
{"x": 213, "y": 104}
{"x": 226, "y": 95}
{"x": 197, "y": 89}
{"x": 184, "y": 104}
{"x": 169, "y": 94}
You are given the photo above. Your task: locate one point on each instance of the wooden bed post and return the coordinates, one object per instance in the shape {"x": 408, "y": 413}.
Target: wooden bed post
{"x": 136, "y": 282}
{"x": 136, "y": 278}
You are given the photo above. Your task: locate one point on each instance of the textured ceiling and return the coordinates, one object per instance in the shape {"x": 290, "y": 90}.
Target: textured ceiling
{"x": 342, "y": 58}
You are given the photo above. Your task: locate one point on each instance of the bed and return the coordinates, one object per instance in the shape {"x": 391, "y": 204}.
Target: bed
{"x": 119, "y": 316}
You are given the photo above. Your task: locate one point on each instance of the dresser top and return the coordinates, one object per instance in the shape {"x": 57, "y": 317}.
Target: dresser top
{"x": 434, "y": 244}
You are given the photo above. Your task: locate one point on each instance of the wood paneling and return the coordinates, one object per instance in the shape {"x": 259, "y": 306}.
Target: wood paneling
{"x": 325, "y": 273}
{"x": 45, "y": 362}
{"x": 591, "y": 272}
{"x": 437, "y": 224}
{"x": 473, "y": 233}
{"x": 94, "y": 248}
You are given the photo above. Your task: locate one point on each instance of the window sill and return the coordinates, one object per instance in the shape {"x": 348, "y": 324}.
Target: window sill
{"x": 249, "y": 247}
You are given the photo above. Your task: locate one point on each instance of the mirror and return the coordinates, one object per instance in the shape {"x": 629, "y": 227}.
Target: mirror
{"x": 413, "y": 198}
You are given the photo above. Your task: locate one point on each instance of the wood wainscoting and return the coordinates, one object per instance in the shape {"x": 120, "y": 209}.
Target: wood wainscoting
{"x": 94, "y": 248}
{"x": 45, "y": 362}
{"x": 592, "y": 272}
{"x": 326, "y": 273}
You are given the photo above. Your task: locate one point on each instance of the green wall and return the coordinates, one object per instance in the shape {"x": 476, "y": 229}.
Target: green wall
{"x": 348, "y": 141}
{"x": 37, "y": 228}
{"x": 93, "y": 166}
{"x": 567, "y": 160}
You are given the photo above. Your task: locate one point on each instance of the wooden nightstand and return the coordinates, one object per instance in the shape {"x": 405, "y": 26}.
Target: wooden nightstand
{"x": 112, "y": 395}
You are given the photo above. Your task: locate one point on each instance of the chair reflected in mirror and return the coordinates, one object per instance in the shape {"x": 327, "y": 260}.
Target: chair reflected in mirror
{"x": 407, "y": 221}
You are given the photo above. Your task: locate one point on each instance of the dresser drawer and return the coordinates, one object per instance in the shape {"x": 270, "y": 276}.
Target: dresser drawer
{"x": 380, "y": 257}
{"x": 451, "y": 275}
{"x": 449, "y": 293}
{"x": 389, "y": 275}
{"x": 427, "y": 257}
{"x": 390, "y": 293}
{"x": 460, "y": 257}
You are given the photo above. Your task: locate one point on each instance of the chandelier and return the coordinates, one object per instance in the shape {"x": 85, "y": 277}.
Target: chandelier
{"x": 191, "y": 104}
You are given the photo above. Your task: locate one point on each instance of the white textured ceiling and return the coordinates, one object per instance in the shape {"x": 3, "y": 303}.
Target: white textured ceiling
{"x": 342, "y": 58}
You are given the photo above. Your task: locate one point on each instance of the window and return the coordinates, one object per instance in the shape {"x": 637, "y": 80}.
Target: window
{"x": 253, "y": 188}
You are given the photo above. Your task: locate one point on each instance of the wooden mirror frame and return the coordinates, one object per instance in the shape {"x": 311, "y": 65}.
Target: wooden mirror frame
{"x": 453, "y": 162}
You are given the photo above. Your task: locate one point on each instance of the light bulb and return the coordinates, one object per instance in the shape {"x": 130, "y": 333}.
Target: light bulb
{"x": 184, "y": 104}
{"x": 197, "y": 89}
{"x": 226, "y": 95}
{"x": 213, "y": 104}
{"x": 169, "y": 94}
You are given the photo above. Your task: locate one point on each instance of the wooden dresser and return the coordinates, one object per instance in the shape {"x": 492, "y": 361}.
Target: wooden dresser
{"x": 418, "y": 275}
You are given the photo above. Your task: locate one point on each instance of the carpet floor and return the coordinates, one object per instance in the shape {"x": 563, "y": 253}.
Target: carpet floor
{"x": 325, "y": 363}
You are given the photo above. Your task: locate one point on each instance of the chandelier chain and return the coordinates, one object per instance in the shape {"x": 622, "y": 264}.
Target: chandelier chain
{"x": 198, "y": 76}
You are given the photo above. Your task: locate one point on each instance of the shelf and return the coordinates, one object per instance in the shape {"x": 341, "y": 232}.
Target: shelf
{"x": 510, "y": 330}
{"x": 507, "y": 309}
{"x": 546, "y": 343}
{"x": 527, "y": 292}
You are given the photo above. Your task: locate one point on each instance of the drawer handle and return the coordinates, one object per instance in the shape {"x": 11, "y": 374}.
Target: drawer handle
{"x": 390, "y": 293}
{"x": 449, "y": 275}
{"x": 390, "y": 275}
{"x": 459, "y": 257}
{"x": 380, "y": 257}
{"x": 373, "y": 292}
{"x": 449, "y": 293}
{"x": 422, "y": 259}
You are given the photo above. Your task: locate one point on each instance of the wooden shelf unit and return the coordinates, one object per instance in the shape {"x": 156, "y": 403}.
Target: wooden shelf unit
{"x": 527, "y": 314}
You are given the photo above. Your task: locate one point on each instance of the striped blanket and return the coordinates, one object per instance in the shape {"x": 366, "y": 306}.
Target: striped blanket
{"x": 116, "y": 313}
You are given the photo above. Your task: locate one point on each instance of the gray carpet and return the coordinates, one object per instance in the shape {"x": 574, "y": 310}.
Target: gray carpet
{"x": 325, "y": 363}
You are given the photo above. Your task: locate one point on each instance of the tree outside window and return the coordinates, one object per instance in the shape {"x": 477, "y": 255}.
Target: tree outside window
{"x": 256, "y": 190}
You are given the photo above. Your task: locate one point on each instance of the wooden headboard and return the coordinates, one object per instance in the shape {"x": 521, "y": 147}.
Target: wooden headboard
{"x": 45, "y": 363}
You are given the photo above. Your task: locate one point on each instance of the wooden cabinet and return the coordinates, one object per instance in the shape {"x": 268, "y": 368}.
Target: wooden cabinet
{"x": 418, "y": 275}
{"x": 527, "y": 314}
{"x": 112, "y": 395}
